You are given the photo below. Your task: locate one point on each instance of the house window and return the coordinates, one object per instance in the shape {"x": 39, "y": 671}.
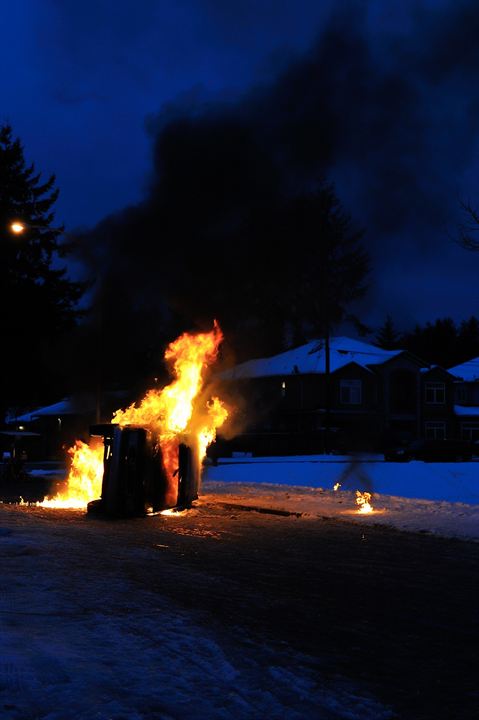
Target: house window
{"x": 461, "y": 395}
{"x": 435, "y": 393}
{"x": 435, "y": 430}
{"x": 470, "y": 431}
{"x": 350, "y": 392}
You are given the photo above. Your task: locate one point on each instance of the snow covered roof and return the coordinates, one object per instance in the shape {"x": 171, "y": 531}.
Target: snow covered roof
{"x": 310, "y": 359}
{"x": 468, "y": 371}
{"x": 434, "y": 368}
{"x": 67, "y": 406}
{"x": 469, "y": 410}
{"x": 83, "y": 404}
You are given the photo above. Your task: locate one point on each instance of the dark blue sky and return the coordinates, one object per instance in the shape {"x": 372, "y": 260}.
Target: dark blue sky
{"x": 86, "y": 86}
{"x": 83, "y": 79}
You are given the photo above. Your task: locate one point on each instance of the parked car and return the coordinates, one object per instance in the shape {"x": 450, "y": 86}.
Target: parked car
{"x": 433, "y": 451}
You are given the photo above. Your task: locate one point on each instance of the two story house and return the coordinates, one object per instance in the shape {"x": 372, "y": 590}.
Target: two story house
{"x": 365, "y": 398}
{"x": 466, "y": 399}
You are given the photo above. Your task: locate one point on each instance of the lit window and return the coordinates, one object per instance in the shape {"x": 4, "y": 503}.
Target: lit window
{"x": 435, "y": 430}
{"x": 350, "y": 392}
{"x": 283, "y": 389}
{"x": 435, "y": 393}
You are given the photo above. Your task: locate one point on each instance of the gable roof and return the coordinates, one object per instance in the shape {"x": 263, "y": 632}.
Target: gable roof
{"x": 67, "y": 406}
{"x": 311, "y": 359}
{"x": 84, "y": 404}
{"x": 468, "y": 371}
{"x": 436, "y": 369}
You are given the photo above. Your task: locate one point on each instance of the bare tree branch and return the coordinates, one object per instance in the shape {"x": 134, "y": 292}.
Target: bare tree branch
{"x": 469, "y": 230}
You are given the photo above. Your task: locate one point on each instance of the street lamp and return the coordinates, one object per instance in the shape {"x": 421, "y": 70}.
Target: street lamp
{"x": 17, "y": 228}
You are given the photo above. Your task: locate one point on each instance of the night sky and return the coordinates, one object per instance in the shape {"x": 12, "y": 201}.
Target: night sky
{"x": 382, "y": 98}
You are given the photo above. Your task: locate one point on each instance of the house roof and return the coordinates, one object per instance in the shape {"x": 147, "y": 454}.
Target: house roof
{"x": 468, "y": 371}
{"x": 19, "y": 433}
{"x": 466, "y": 410}
{"x": 67, "y": 406}
{"x": 435, "y": 369}
{"x": 83, "y": 404}
{"x": 310, "y": 359}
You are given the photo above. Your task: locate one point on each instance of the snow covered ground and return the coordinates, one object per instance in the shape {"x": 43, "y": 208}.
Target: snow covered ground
{"x": 441, "y": 498}
{"x": 83, "y": 636}
{"x": 86, "y": 634}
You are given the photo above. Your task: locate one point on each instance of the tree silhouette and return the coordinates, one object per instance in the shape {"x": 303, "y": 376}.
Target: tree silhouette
{"x": 288, "y": 273}
{"x": 322, "y": 267}
{"x": 468, "y": 235}
{"x": 38, "y": 302}
{"x": 387, "y": 336}
{"x": 437, "y": 342}
{"x": 468, "y": 340}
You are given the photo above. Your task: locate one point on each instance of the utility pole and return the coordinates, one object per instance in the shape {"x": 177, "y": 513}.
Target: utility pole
{"x": 99, "y": 355}
{"x": 327, "y": 391}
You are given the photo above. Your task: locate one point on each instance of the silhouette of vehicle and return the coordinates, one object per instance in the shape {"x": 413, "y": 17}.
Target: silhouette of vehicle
{"x": 434, "y": 451}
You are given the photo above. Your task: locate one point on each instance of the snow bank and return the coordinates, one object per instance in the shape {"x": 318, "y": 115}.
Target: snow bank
{"x": 440, "y": 498}
{"x": 453, "y": 482}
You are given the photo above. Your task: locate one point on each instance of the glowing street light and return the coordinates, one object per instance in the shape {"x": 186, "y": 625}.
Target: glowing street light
{"x": 17, "y": 227}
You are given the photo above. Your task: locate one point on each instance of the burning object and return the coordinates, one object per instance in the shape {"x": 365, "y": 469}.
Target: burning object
{"x": 84, "y": 479}
{"x": 363, "y": 502}
{"x": 135, "y": 481}
{"x": 153, "y": 450}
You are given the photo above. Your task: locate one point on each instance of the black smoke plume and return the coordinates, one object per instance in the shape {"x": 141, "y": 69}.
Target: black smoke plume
{"x": 388, "y": 115}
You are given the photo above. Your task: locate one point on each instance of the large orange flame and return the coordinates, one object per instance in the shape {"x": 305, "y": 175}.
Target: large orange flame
{"x": 174, "y": 411}
{"x": 84, "y": 479}
{"x": 170, "y": 414}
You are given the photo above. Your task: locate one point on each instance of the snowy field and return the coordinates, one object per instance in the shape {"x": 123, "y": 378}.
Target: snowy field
{"x": 86, "y": 632}
{"x": 441, "y": 498}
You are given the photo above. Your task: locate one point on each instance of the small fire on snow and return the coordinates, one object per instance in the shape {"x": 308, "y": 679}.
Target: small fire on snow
{"x": 362, "y": 500}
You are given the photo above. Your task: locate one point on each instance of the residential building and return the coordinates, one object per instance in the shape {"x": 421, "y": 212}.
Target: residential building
{"x": 466, "y": 399}
{"x": 371, "y": 398}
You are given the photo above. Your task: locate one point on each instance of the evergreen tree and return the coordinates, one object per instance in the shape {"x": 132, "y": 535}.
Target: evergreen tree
{"x": 468, "y": 340}
{"x": 437, "y": 342}
{"x": 387, "y": 337}
{"x": 310, "y": 266}
{"x": 38, "y": 302}
{"x": 276, "y": 274}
